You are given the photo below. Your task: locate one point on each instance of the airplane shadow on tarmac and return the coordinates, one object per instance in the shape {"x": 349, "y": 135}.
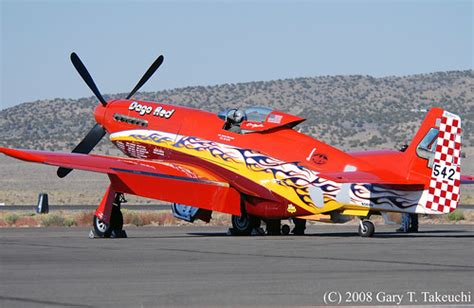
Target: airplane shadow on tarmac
{"x": 381, "y": 234}
{"x": 420, "y": 234}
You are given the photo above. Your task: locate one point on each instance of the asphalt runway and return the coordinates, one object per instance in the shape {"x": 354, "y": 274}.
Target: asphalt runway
{"x": 181, "y": 266}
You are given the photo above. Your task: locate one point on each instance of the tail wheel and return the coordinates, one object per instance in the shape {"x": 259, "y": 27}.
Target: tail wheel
{"x": 366, "y": 228}
{"x": 243, "y": 225}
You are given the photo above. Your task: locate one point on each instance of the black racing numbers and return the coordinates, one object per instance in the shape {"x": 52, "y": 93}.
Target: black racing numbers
{"x": 444, "y": 172}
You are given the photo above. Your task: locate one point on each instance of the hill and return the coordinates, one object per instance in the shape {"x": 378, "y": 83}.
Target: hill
{"x": 350, "y": 112}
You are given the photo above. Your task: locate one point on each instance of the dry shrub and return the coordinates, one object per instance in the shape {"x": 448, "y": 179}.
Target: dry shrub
{"x": 50, "y": 220}
{"x": 70, "y": 222}
{"x": 84, "y": 219}
{"x": 131, "y": 218}
{"x": 29, "y": 221}
{"x": 147, "y": 218}
{"x": 456, "y": 215}
{"x": 168, "y": 219}
{"x": 11, "y": 218}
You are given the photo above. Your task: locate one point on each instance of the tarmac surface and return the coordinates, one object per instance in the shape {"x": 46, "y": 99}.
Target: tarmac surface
{"x": 181, "y": 266}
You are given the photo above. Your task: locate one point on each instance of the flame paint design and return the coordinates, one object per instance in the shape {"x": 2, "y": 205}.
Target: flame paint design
{"x": 153, "y": 137}
{"x": 193, "y": 143}
{"x": 290, "y": 175}
{"x": 380, "y": 196}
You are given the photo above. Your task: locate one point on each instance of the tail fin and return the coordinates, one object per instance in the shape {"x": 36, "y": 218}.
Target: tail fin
{"x": 435, "y": 157}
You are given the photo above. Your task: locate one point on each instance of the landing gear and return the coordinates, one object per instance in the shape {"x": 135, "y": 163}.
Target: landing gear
{"x": 366, "y": 228}
{"x": 243, "y": 225}
{"x": 273, "y": 226}
{"x": 300, "y": 226}
{"x": 285, "y": 229}
{"x": 250, "y": 225}
{"x": 115, "y": 228}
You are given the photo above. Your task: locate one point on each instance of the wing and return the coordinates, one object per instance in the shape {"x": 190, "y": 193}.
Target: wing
{"x": 163, "y": 180}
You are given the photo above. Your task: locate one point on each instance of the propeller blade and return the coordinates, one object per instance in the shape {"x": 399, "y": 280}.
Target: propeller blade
{"x": 81, "y": 69}
{"x": 147, "y": 75}
{"x": 85, "y": 146}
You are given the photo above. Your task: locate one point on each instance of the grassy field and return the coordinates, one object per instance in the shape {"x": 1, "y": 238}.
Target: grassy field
{"x": 165, "y": 218}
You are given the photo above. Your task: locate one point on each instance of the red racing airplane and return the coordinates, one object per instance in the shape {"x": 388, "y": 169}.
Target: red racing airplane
{"x": 252, "y": 164}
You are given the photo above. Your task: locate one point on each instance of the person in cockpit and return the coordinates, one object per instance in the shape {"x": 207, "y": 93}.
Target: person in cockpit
{"x": 235, "y": 117}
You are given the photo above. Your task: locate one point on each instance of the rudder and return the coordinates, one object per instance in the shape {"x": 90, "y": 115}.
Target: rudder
{"x": 437, "y": 157}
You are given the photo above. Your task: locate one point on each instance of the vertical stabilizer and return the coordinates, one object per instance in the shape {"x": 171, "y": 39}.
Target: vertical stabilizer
{"x": 436, "y": 151}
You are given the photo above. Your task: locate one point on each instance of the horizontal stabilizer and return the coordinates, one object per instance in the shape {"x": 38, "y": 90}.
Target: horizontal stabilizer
{"x": 364, "y": 177}
{"x": 467, "y": 179}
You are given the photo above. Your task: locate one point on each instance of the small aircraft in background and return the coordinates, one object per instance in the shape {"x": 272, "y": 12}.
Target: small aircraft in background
{"x": 252, "y": 164}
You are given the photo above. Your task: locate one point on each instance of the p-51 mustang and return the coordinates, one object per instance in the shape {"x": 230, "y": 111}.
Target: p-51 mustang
{"x": 252, "y": 164}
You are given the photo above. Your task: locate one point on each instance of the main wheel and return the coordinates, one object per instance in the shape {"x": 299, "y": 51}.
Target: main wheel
{"x": 115, "y": 227}
{"x": 101, "y": 228}
{"x": 366, "y": 228}
{"x": 243, "y": 225}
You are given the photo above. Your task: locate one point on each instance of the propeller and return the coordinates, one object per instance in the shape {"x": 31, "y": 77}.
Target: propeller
{"x": 97, "y": 132}
{"x": 151, "y": 70}
{"x": 82, "y": 70}
{"x": 85, "y": 146}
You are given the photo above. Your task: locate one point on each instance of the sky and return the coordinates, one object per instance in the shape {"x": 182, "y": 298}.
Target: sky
{"x": 215, "y": 42}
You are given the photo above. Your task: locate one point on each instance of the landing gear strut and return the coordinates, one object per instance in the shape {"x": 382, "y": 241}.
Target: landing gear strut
{"x": 300, "y": 226}
{"x": 114, "y": 229}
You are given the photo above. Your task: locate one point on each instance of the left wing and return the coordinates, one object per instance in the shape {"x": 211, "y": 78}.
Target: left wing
{"x": 163, "y": 180}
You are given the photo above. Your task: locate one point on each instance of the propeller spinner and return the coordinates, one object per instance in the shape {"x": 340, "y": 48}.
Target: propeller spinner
{"x": 96, "y": 134}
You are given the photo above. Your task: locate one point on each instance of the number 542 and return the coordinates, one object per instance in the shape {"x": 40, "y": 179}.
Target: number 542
{"x": 444, "y": 172}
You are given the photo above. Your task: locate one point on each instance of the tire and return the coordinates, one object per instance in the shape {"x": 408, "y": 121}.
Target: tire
{"x": 101, "y": 229}
{"x": 285, "y": 229}
{"x": 367, "y": 229}
{"x": 116, "y": 223}
{"x": 243, "y": 225}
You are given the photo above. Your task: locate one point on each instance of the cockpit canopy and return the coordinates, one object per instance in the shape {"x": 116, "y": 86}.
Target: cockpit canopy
{"x": 257, "y": 119}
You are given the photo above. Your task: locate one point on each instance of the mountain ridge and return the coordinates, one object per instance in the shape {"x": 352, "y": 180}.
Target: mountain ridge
{"x": 352, "y": 112}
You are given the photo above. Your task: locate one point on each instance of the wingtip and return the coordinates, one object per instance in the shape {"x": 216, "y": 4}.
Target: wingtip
{"x": 23, "y": 155}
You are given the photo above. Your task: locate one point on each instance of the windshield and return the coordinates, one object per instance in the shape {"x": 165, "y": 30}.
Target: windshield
{"x": 253, "y": 114}
{"x": 257, "y": 114}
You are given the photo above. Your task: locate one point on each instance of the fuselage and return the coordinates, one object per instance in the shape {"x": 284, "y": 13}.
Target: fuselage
{"x": 277, "y": 166}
